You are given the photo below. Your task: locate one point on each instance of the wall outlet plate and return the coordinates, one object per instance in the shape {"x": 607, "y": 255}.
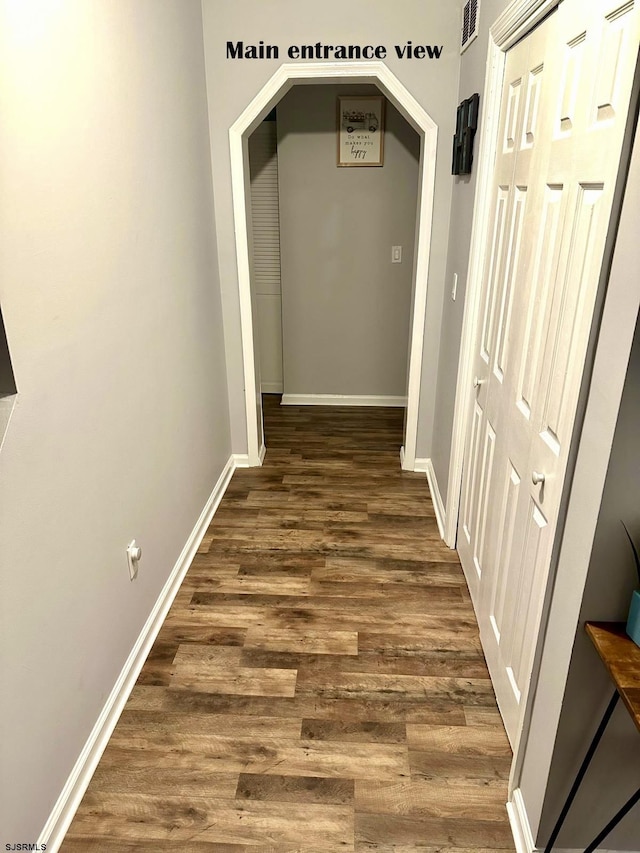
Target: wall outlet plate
{"x": 134, "y": 552}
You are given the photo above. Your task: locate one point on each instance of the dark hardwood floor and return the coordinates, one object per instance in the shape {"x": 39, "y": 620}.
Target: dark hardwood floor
{"x": 318, "y": 684}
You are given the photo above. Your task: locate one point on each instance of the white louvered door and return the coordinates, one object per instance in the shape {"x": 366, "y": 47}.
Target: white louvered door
{"x": 263, "y": 161}
{"x": 565, "y": 102}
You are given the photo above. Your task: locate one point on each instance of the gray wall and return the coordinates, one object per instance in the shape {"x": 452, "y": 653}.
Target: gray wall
{"x": 472, "y": 79}
{"x": 110, "y": 298}
{"x": 232, "y": 84}
{"x": 345, "y": 306}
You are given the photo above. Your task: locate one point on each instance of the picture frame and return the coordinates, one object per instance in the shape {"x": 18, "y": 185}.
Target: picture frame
{"x": 360, "y": 129}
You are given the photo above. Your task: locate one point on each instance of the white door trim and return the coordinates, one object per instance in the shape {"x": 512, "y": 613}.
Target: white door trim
{"x": 515, "y": 22}
{"x": 284, "y": 78}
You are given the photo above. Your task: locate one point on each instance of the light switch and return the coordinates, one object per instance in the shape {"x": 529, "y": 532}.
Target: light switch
{"x": 396, "y": 254}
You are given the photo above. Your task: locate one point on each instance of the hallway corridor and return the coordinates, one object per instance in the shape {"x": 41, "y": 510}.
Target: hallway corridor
{"x": 318, "y": 684}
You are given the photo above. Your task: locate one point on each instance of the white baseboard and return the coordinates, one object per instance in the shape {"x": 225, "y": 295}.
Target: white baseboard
{"x": 436, "y": 497}
{"x": 271, "y": 388}
{"x": 65, "y": 808}
{"x": 521, "y": 830}
{"x": 522, "y": 835}
{"x": 342, "y": 400}
{"x": 425, "y": 466}
{"x": 420, "y": 465}
{"x": 240, "y": 460}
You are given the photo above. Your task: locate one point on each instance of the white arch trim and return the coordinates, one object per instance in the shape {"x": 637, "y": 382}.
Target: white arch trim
{"x": 285, "y": 77}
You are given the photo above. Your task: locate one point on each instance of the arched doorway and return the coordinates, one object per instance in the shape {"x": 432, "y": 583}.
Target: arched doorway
{"x": 287, "y": 76}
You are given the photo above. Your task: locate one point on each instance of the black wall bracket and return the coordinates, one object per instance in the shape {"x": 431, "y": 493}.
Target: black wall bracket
{"x": 466, "y": 125}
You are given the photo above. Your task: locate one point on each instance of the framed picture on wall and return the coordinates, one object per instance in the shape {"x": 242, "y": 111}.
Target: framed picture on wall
{"x": 361, "y": 130}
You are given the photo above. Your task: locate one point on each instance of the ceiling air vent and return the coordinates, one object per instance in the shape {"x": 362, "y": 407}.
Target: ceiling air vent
{"x": 470, "y": 17}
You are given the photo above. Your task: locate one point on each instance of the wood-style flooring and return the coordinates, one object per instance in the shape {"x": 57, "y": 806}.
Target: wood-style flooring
{"x": 318, "y": 684}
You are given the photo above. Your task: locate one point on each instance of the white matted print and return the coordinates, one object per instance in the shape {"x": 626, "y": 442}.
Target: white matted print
{"x": 361, "y": 131}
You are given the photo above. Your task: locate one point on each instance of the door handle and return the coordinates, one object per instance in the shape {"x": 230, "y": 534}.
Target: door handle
{"x": 537, "y": 478}
{"x": 477, "y": 382}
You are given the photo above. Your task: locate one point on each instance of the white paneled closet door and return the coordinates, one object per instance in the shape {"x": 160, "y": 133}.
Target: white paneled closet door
{"x": 565, "y": 101}
{"x": 263, "y": 162}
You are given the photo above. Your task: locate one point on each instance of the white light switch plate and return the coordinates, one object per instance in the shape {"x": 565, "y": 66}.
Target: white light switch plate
{"x": 396, "y": 254}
